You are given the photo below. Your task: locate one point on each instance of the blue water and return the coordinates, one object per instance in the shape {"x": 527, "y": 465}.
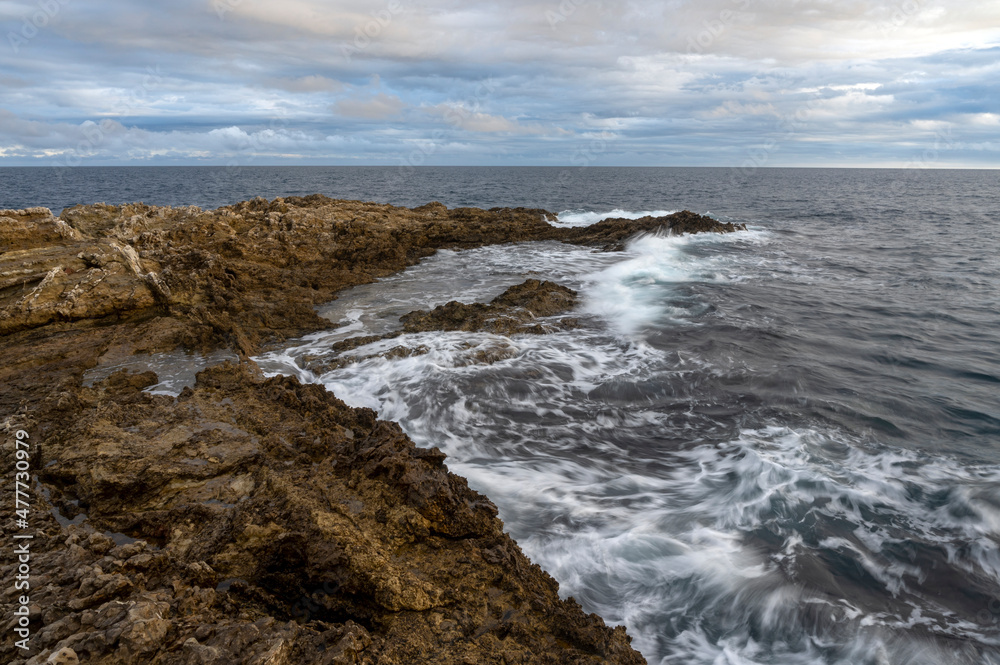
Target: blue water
{"x": 780, "y": 446}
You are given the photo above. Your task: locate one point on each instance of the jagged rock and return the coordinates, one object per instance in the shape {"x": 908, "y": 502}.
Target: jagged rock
{"x": 63, "y": 657}
{"x": 256, "y": 521}
{"x": 22, "y": 230}
{"x": 348, "y": 535}
{"x": 513, "y": 311}
{"x": 611, "y": 234}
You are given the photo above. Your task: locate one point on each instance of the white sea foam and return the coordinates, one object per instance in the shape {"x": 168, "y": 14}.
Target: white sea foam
{"x": 699, "y": 549}
{"x": 637, "y": 292}
{"x": 671, "y": 548}
{"x": 588, "y": 217}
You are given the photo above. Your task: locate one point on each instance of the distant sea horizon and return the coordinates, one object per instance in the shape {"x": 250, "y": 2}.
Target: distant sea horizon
{"x": 213, "y": 186}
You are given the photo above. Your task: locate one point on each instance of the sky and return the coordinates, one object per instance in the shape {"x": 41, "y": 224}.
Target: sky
{"x": 751, "y": 83}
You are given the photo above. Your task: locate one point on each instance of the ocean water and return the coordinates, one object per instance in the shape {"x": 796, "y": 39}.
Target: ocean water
{"x": 779, "y": 446}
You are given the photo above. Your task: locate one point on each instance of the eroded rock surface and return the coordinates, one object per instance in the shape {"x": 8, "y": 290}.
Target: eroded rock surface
{"x": 273, "y": 523}
{"x": 251, "y": 520}
{"x": 514, "y": 311}
{"x": 611, "y": 234}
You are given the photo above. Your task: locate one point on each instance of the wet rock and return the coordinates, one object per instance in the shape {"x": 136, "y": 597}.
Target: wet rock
{"x": 355, "y": 342}
{"x": 611, "y": 234}
{"x": 514, "y": 311}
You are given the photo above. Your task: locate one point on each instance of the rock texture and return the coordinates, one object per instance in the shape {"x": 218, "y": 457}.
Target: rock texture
{"x": 611, "y": 234}
{"x": 275, "y": 524}
{"x": 251, "y": 520}
{"x": 514, "y": 311}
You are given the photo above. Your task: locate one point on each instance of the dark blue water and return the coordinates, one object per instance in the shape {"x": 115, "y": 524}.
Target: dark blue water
{"x": 780, "y": 446}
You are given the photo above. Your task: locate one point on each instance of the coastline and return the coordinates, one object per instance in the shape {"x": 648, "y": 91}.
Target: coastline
{"x": 250, "y": 519}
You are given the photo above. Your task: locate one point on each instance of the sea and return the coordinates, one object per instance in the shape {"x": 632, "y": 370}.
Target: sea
{"x": 779, "y": 446}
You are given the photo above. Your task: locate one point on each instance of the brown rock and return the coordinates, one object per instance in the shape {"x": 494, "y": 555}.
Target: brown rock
{"x": 509, "y": 313}
{"x": 514, "y": 311}
{"x": 63, "y": 657}
{"x": 611, "y": 234}
{"x": 273, "y": 523}
{"x": 22, "y": 230}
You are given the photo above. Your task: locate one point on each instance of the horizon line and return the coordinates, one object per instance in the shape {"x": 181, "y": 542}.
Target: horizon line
{"x": 749, "y": 169}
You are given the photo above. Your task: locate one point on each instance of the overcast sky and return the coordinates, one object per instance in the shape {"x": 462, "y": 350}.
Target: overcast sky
{"x": 902, "y": 83}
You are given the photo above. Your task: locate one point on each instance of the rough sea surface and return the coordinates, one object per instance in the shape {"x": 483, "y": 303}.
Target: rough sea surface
{"x": 779, "y": 446}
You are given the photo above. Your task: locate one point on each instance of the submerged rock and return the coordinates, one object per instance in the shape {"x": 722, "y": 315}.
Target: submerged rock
{"x": 252, "y": 520}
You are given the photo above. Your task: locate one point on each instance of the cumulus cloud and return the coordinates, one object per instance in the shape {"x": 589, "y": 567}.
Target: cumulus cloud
{"x": 984, "y": 119}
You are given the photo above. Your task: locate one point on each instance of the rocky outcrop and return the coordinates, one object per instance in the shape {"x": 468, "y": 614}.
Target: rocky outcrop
{"x": 611, "y": 234}
{"x": 242, "y": 275}
{"x": 251, "y": 520}
{"x": 265, "y": 521}
{"x": 252, "y": 273}
{"x": 31, "y": 228}
{"x": 514, "y": 311}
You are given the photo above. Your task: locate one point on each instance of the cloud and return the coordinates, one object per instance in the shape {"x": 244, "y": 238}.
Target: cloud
{"x": 375, "y": 107}
{"x": 678, "y": 82}
{"x": 984, "y": 119}
{"x": 312, "y": 83}
{"x": 458, "y": 116}
{"x": 738, "y": 109}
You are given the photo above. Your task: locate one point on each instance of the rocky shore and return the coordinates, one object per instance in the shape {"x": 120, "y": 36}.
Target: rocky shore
{"x": 254, "y": 520}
